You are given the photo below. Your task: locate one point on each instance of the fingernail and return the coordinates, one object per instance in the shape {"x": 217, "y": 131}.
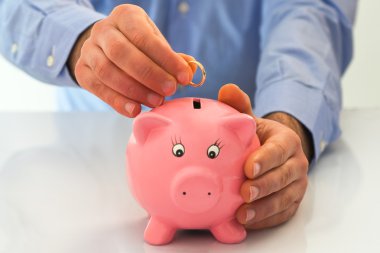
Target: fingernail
{"x": 253, "y": 193}
{"x": 183, "y": 77}
{"x": 169, "y": 87}
{"x": 130, "y": 107}
{"x": 256, "y": 169}
{"x": 154, "y": 99}
{"x": 250, "y": 214}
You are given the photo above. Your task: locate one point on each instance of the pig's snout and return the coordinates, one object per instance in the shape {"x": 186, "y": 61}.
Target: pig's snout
{"x": 196, "y": 190}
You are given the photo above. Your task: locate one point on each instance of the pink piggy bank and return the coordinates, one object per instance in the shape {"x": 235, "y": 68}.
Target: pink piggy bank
{"x": 185, "y": 167}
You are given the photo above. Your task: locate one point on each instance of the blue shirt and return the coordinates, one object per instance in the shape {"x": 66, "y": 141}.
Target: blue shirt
{"x": 288, "y": 55}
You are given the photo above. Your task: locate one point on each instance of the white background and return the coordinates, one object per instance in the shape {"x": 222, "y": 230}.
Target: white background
{"x": 361, "y": 83}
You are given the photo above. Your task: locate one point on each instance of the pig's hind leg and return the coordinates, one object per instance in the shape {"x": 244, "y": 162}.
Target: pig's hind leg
{"x": 229, "y": 232}
{"x": 158, "y": 232}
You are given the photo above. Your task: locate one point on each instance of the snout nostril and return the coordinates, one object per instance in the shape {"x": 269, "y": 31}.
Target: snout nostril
{"x": 183, "y": 193}
{"x": 209, "y": 193}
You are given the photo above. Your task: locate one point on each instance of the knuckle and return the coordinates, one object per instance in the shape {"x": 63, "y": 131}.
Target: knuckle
{"x": 138, "y": 39}
{"x": 114, "y": 48}
{"x": 266, "y": 187}
{"x": 270, "y": 210}
{"x": 281, "y": 151}
{"x": 98, "y": 27}
{"x": 171, "y": 59}
{"x": 101, "y": 68}
{"x": 261, "y": 128}
{"x": 145, "y": 73}
{"x": 302, "y": 189}
{"x": 277, "y": 151}
{"x": 117, "y": 10}
{"x": 78, "y": 70}
{"x": 129, "y": 9}
{"x": 79, "y": 74}
{"x": 117, "y": 103}
{"x": 131, "y": 90}
{"x": 296, "y": 140}
{"x": 292, "y": 138}
{"x": 291, "y": 212}
{"x": 132, "y": 8}
{"x": 285, "y": 201}
{"x": 178, "y": 66}
{"x": 304, "y": 164}
{"x": 304, "y": 183}
{"x": 85, "y": 48}
{"x": 95, "y": 87}
{"x": 86, "y": 52}
{"x": 122, "y": 8}
{"x": 110, "y": 98}
{"x": 287, "y": 176}
{"x": 287, "y": 215}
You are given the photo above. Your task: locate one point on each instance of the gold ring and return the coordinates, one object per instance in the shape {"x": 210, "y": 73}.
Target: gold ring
{"x": 203, "y": 74}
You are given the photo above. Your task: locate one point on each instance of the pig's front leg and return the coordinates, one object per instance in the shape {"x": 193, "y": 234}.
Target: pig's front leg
{"x": 229, "y": 232}
{"x": 158, "y": 232}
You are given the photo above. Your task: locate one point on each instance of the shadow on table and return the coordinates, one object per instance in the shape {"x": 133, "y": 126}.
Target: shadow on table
{"x": 333, "y": 185}
{"x": 58, "y": 200}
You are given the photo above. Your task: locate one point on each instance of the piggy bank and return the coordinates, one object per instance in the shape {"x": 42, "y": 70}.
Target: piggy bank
{"x": 185, "y": 167}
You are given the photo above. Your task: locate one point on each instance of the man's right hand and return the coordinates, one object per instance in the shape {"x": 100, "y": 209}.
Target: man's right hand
{"x": 126, "y": 61}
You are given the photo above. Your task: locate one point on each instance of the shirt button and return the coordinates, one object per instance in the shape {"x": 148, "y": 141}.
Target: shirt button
{"x": 14, "y": 48}
{"x": 183, "y": 7}
{"x": 50, "y": 61}
{"x": 322, "y": 145}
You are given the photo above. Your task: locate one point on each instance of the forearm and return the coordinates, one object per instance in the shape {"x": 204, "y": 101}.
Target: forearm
{"x": 306, "y": 46}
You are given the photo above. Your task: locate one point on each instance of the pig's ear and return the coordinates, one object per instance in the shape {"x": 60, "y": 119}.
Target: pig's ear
{"x": 146, "y": 123}
{"x": 243, "y": 125}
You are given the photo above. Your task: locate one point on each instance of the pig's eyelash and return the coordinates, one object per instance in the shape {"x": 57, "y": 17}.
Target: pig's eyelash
{"x": 218, "y": 143}
{"x": 175, "y": 141}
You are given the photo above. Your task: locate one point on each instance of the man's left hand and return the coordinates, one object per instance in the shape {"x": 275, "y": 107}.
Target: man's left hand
{"x": 277, "y": 171}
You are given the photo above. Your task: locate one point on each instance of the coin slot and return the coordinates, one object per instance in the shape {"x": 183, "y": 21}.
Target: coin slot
{"x": 197, "y": 103}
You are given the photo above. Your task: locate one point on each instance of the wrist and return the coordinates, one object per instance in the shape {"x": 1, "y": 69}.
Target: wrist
{"x": 298, "y": 128}
{"x": 76, "y": 51}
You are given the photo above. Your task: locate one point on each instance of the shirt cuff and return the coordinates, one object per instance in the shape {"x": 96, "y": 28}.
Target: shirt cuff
{"x": 61, "y": 30}
{"x": 308, "y": 105}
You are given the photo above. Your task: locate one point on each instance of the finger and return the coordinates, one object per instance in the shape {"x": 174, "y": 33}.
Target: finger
{"x": 121, "y": 104}
{"x": 135, "y": 63}
{"x": 115, "y": 78}
{"x": 232, "y": 95}
{"x": 274, "y": 180}
{"x": 274, "y": 152}
{"x": 273, "y": 204}
{"x": 132, "y": 10}
{"x": 193, "y": 67}
{"x": 136, "y": 25}
{"x": 188, "y": 58}
{"x": 276, "y": 219}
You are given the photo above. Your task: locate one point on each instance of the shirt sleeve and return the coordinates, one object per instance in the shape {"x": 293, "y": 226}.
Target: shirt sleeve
{"x": 306, "y": 45}
{"x": 38, "y": 35}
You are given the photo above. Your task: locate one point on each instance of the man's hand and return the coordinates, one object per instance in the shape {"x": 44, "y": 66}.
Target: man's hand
{"x": 277, "y": 171}
{"x": 126, "y": 61}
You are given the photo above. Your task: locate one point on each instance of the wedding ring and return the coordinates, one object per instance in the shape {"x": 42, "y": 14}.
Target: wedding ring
{"x": 203, "y": 74}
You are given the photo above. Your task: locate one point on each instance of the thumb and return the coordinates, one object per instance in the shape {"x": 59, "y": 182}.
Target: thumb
{"x": 232, "y": 95}
{"x": 192, "y": 67}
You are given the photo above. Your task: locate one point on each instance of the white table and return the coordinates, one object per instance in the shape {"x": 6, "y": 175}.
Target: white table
{"x": 63, "y": 189}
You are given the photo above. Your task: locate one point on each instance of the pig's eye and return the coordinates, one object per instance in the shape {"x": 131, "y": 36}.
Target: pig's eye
{"x": 178, "y": 150}
{"x": 213, "y": 151}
